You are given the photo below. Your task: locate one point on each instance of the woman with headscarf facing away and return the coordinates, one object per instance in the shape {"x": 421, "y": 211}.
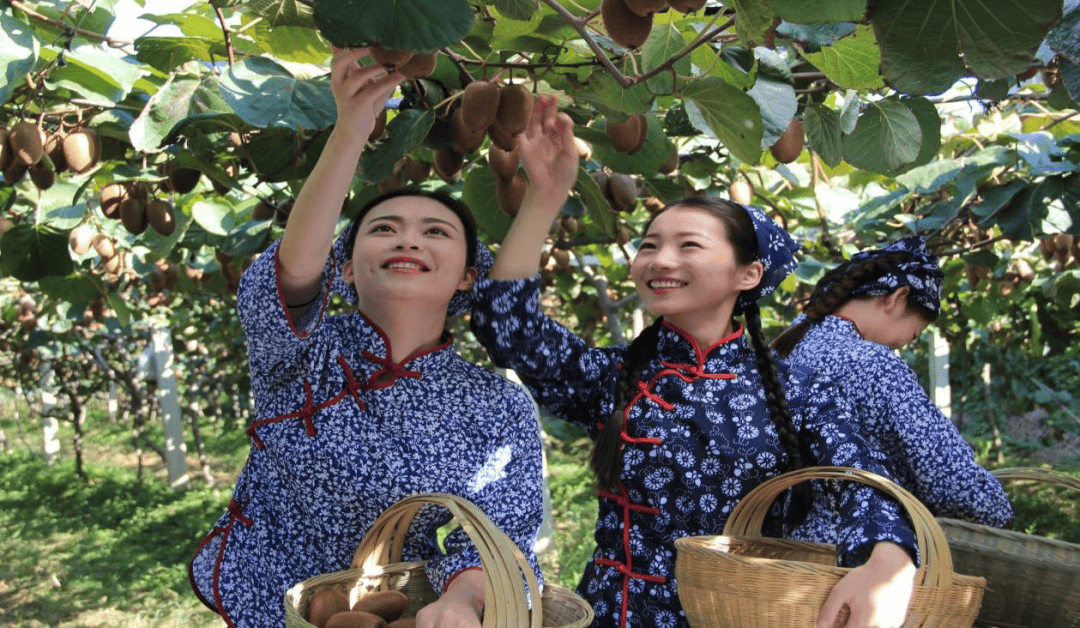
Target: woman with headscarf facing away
{"x": 859, "y": 314}
{"x": 357, "y": 411}
{"x": 694, "y": 413}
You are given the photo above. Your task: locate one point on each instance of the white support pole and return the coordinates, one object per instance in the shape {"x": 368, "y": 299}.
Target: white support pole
{"x": 544, "y": 536}
{"x": 114, "y": 400}
{"x": 50, "y": 427}
{"x": 169, "y": 401}
{"x": 940, "y": 391}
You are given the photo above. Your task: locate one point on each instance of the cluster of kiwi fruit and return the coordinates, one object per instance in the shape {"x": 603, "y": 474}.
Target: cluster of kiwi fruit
{"x": 629, "y": 22}
{"x": 410, "y": 64}
{"x": 330, "y": 608}
{"x": 628, "y": 136}
{"x": 485, "y": 109}
{"x": 408, "y": 169}
{"x": 130, "y": 202}
{"x": 1059, "y": 247}
{"x": 25, "y": 148}
{"x": 620, "y": 190}
{"x": 83, "y": 238}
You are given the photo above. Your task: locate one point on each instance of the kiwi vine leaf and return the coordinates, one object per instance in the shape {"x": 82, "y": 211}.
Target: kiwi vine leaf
{"x": 945, "y": 119}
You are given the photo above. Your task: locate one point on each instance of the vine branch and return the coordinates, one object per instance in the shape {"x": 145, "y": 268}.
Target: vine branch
{"x": 225, "y": 32}
{"x": 115, "y": 43}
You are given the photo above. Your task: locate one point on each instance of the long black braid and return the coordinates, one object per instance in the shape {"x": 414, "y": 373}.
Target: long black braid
{"x": 835, "y": 289}
{"x": 606, "y": 457}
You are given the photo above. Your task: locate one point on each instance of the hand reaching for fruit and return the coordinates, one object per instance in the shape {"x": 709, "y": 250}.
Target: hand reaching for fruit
{"x": 359, "y": 91}
{"x": 548, "y": 152}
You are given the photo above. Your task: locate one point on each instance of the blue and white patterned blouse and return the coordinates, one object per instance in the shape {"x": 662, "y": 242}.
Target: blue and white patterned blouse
{"x": 341, "y": 434}
{"x": 697, "y": 438}
{"x": 921, "y": 448}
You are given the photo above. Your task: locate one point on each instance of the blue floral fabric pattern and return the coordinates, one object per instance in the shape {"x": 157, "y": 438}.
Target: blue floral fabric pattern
{"x": 697, "y": 438}
{"x": 921, "y": 448}
{"x": 341, "y": 433}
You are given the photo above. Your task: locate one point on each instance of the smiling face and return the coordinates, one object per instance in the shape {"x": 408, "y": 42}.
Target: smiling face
{"x": 409, "y": 248}
{"x": 686, "y": 271}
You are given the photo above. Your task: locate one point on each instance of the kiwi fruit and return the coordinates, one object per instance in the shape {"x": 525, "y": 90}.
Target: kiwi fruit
{"x": 390, "y": 58}
{"x": 380, "y": 126}
{"x": 133, "y": 214}
{"x": 15, "y": 172}
{"x": 110, "y": 197}
{"x": 602, "y": 181}
{"x": 415, "y": 170}
{"x": 672, "y": 163}
{"x": 42, "y": 177}
{"x": 643, "y": 132}
{"x": 263, "y": 211}
{"x": 82, "y": 150}
{"x": 54, "y": 148}
{"x": 6, "y": 154}
{"x": 392, "y": 183}
{"x": 24, "y": 138}
{"x": 448, "y": 163}
{"x": 501, "y": 138}
{"x": 79, "y": 239}
{"x": 504, "y": 163}
{"x": 103, "y": 245}
{"x": 741, "y": 191}
{"x": 686, "y": 6}
{"x": 624, "y": 27}
{"x": 624, "y": 135}
{"x": 646, "y": 8}
{"x": 420, "y": 65}
{"x": 790, "y": 145}
{"x": 479, "y": 104}
{"x": 113, "y": 265}
{"x": 466, "y": 139}
{"x": 511, "y": 192}
{"x": 569, "y": 224}
{"x": 584, "y": 149}
{"x": 160, "y": 216}
{"x": 623, "y": 191}
{"x": 515, "y": 108}
{"x": 653, "y": 204}
{"x": 183, "y": 180}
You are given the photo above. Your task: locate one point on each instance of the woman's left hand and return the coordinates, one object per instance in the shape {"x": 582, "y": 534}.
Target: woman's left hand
{"x": 876, "y": 593}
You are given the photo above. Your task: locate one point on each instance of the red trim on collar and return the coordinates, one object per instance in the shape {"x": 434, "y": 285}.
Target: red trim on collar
{"x": 281, "y": 296}
{"x": 700, "y": 354}
{"x": 853, "y": 324}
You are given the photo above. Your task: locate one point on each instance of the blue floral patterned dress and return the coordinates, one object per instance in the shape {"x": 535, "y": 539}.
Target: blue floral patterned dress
{"x": 341, "y": 434}
{"x": 697, "y": 438}
{"x": 920, "y": 447}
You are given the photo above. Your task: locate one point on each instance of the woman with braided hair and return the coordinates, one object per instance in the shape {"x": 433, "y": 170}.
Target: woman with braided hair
{"x": 694, "y": 413}
{"x": 858, "y": 314}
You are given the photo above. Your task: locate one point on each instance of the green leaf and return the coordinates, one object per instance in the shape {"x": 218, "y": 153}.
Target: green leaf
{"x": 168, "y": 53}
{"x": 31, "y": 252}
{"x": 281, "y": 12}
{"x": 265, "y": 94}
{"x": 851, "y": 62}
{"x": 995, "y": 197}
{"x": 18, "y": 52}
{"x": 803, "y": 12}
{"x": 404, "y": 132}
{"x": 887, "y": 137}
{"x": 608, "y": 96}
{"x": 418, "y": 25}
{"x": 714, "y": 63}
{"x": 925, "y": 49}
{"x": 300, "y": 44}
{"x": 97, "y": 75}
{"x": 731, "y": 115}
{"x": 778, "y": 106}
{"x": 664, "y": 41}
{"x": 75, "y": 288}
{"x": 521, "y": 10}
{"x": 170, "y": 107}
{"x": 480, "y": 195}
{"x": 596, "y": 204}
{"x": 120, "y": 306}
{"x": 930, "y": 125}
{"x": 214, "y": 215}
{"x": 1064, "y": 39}
{"x": 822, "y": 126}
{"x": 247, "y": 238}
{"x": 753, "y": 19}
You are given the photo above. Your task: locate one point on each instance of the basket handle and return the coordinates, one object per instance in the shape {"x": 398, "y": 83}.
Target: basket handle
{"x": 749, "y": 514}
{"x": 508, "y": 576}
{"x": 1037, "y": 474}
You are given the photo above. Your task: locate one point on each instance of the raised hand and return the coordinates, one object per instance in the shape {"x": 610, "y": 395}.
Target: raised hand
{"x": 547, "y": 150}
{"x": 360, "y": 92}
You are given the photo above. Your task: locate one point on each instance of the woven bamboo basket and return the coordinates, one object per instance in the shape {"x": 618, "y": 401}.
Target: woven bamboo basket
{"x": 1032, "y": 581}
{"x": 741, "y": 579}
{"x": 508, "y": 578}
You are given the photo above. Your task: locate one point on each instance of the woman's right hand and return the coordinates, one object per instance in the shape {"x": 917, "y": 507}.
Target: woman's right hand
{"x": 548, "y": 152}
{"x": 359, "y": 91}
